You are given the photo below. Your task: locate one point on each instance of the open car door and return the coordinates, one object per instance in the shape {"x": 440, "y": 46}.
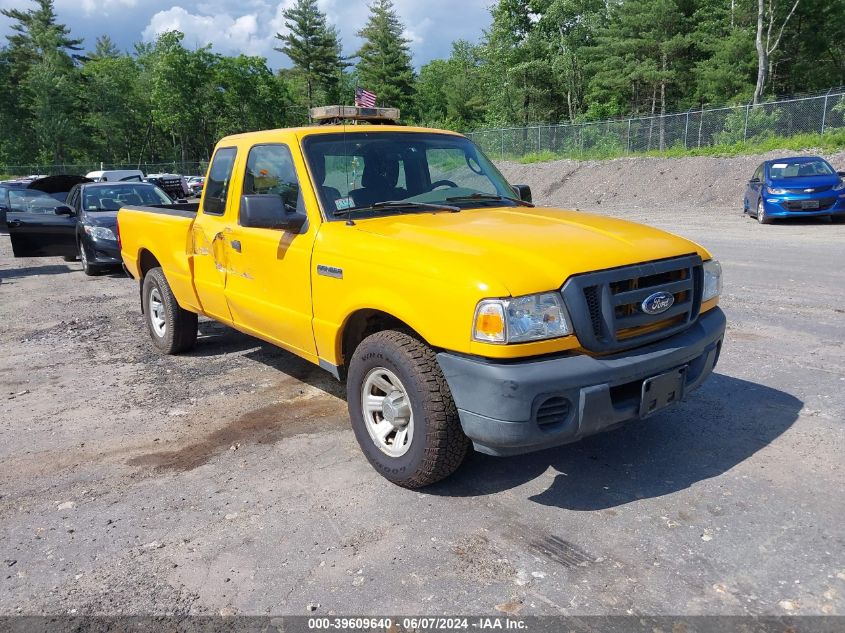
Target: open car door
{"x": 39, "y": 225}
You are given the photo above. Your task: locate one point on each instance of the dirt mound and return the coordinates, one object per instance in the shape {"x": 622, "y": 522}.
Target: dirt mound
{"x": 637, "y": 184}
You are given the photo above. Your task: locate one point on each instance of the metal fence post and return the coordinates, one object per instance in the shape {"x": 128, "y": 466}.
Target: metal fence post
{"x": 503, "y": 145}
{"x": 628, "y": 141}
{"x": 824, "y": 110}
{"x": 686, "y": 131}
{"x": 538, "y": 138}
{"x": 700, "y": 125}
{"x": 745, "y": 130}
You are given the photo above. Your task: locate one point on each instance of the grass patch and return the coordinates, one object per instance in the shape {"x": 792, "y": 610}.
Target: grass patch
{"x": 823, "y": 143}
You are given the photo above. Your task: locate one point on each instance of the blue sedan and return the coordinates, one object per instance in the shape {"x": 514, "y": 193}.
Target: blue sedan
{"x": 805, "y": 186}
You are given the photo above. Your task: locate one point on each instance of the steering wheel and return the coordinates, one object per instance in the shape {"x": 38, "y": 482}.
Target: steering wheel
{"x": 442, "y": 183}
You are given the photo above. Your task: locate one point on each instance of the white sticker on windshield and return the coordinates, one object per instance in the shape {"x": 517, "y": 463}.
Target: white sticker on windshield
{"x": 344, "y": 203}
{"x": 780, "y": 166}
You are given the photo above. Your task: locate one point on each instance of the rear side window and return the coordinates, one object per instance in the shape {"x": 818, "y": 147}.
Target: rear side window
{"x": 270, "y": 170}
{"x": 219, "y": 177}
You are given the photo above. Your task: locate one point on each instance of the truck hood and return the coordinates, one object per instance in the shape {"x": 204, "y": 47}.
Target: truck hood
{"x": 524, "y": 249}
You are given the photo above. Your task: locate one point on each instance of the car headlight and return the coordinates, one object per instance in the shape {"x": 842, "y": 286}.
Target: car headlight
{"x": 839, "y": 186}
{"x": 100, "y": 233}
{"x": 712, "y": 280}
{"x": 775, "y": 191}
{"x": 521, "y": 319}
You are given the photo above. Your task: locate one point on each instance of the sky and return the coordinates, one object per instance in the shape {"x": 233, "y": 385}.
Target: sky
{"x": 249, "y": 26}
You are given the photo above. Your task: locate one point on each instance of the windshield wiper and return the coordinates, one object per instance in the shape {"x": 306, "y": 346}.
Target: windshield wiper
{"x": 489, "y": 196}
{"x": 398, "y": 204}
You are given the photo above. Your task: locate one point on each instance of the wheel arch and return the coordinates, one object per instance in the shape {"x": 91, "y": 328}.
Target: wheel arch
{"x": 146, "y": 262}
{"x": 362, "y": 323}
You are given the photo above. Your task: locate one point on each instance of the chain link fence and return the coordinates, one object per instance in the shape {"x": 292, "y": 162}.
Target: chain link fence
{"x": 818, "y": 114}
{"x": 187, "y": 168}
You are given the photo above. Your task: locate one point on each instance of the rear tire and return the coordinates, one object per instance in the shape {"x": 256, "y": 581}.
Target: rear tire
{"x": 172, "y": 329}
{"x": 423, "y": 441}
{"x": 837, "y": 219}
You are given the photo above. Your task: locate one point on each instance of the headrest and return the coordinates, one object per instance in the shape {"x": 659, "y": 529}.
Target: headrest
{"x": 380, "y": 170}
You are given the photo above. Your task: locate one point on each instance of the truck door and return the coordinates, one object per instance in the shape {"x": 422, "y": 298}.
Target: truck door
{"x": 208, "y": 237}
{"x": 39, "y": 225}
{"x": 269, "y": 285}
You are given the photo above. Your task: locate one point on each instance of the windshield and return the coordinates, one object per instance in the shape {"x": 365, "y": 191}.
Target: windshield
{"x": 800, "y": 169}
{"x": 32, "y": 201}
{"x": 112, "y": 197}
{"x": 358, "y": 170}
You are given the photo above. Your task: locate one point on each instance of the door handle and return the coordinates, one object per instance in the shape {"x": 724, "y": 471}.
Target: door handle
{"x": 15, "y": 223}
{"x": 236, "y": 244}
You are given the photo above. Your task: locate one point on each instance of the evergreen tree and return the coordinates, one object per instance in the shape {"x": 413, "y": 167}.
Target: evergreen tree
{"x": 43, "y": 82}
{"x": 384, "y": 59}
{"x": 313, "y": 47}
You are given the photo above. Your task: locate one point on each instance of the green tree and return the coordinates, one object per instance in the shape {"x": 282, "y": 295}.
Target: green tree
{"x": 314, "y": 48}
{"x": 117, "y": 111}
{"x": 42, "y": 82}
{"x": 249, "y": 96}
{"x": 450, "y": 93}
{"x": 640, "y": 60}
{"x": 384, "y": 59}
{"x": 722, "y": 53}
{"x": 181, "y": 86}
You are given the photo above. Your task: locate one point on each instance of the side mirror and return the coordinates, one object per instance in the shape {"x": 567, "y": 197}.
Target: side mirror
{"x": 754, "y": 181}
{"x": 523, "y": 192}
{"x": 841, "y": 174}
{"x": 64, "y": 210}
{"x": 267, "y": 211}
{"x": 181, "y": 201}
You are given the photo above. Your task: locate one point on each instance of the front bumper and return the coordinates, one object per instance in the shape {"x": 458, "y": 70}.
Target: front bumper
{"x": 779, "y": 206}
{"x": 104, "y": 252}
{"x": 504, "y": 407}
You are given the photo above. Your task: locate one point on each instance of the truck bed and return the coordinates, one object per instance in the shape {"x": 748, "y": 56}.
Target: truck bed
{"x": 161, "y": 234}
{"x": 183, "y": 209}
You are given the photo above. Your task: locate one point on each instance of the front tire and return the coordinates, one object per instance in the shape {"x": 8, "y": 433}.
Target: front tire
{"x": 87, "y": 267}
{"x": 172, "y": 329}
{"x": 402, "y": 411}
{"x": 762, "y": 217}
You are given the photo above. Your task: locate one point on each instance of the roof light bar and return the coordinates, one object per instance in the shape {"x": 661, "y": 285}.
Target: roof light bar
{"x": 330, "y": 114}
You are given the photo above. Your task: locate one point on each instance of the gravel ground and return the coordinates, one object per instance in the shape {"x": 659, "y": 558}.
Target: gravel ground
{"x": 228, "y": 480}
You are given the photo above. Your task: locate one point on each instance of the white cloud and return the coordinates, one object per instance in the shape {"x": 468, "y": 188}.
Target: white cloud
{"x": 226, "y": 33}
{"x": 249, "y": 26}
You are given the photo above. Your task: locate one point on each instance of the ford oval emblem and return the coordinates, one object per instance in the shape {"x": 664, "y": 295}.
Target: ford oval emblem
{"x": 658, "y": 303}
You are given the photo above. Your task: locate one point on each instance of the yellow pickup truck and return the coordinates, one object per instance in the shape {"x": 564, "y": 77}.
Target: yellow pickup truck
{"x": 459, "y": 314}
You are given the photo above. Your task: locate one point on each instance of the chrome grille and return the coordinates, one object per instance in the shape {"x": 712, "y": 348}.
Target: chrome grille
{"x": 606, "y": 306}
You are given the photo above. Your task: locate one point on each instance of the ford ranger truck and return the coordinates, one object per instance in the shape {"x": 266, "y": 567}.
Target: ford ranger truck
{"x": 459, "y": 314}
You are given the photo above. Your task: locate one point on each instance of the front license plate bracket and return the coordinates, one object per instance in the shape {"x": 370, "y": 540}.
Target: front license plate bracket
{"x": 658, "y": 392}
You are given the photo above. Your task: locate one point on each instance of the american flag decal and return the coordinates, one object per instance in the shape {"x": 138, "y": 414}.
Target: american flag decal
{"x": 365, "y": 98}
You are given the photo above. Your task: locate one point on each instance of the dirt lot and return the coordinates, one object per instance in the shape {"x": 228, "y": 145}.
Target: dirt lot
{"x": 228, "y": 480}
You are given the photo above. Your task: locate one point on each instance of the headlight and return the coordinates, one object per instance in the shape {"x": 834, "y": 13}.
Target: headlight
{"x": 776, "y": 192}
{"x": 100, "y": 233}
{"x": 521, "y": 319}
{"x": 839, "y": 186}
{"x": 712, "y": 280}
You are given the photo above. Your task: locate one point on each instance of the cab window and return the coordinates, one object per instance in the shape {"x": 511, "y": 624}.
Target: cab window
{"x": 219, "y": 177}
{"x": 270, "y": 170}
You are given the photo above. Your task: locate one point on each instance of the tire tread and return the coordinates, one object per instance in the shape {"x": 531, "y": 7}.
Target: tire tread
{"x": 446, "y": 445}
